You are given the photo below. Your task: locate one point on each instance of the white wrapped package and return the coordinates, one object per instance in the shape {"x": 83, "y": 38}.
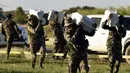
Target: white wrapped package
{"x": 60, "y": 17}
{"x": 113, "y": 17}
{"x": 52, "y": 15}
{"x": 39, "y": 13}
{"x": 56, "y": 16}
{"x": 86, "y": 23}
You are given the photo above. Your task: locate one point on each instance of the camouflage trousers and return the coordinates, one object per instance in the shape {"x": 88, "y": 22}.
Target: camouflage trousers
{"x": 59, "y": 47}
{"x": 9, "y": 45}
{"x": 74, "y": 63}
{"x": 115, "y": 60}
{"x": 35, "y": 47}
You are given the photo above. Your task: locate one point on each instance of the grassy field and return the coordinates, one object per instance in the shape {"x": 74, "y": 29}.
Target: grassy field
{"x": 20, "y": 64}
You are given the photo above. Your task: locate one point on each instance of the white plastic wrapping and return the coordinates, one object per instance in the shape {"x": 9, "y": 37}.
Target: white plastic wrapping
{"x": 56, "y": 16}
{"x": 112, "y": 14}
{"x": 39, "y": 13}
{"x": 86, "y": 23}
{"x": 52, "y": 15}
{"x": 60, "y": 17}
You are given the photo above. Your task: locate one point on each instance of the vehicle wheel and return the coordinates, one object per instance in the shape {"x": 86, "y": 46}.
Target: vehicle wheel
{"x": 127, "y": 53}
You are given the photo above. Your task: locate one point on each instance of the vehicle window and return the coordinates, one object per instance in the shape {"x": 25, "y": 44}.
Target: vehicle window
{"x": 127, "y": 23}
{"x": 97, "y": 21}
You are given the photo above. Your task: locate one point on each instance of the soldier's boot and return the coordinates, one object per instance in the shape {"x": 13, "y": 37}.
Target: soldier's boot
{"x": 33, "y": 65}
{"x": 33, "y": 61}
{"x": 69, "y": 70}
{"x": 111, "y": 71}
{"x": 73, "y": 69}
{"x": 86, "y": 69}
{"x": 7, "y": 56}
{"x": 42, "y": 59}
{"x": 8, "y": 53}
{"x": 112, "y": 68}
{"x": 41, "y": 64}
{"x": 117, "y": 68}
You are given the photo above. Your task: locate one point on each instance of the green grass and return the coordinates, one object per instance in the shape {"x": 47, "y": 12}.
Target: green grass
{"x": 20, "y": 64}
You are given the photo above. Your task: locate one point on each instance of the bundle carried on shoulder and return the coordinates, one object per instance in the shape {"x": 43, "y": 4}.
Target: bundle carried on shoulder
{"x": 87, "y": 24}
{"x": 39, "y": 13}
{"x": 113, "y": 17}
{"x": 56, "y": 16}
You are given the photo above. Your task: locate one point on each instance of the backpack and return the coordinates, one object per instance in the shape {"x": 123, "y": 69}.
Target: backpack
{"x": 122, "y": 31}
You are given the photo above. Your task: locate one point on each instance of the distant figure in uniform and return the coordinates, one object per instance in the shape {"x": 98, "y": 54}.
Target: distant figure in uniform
{"x": 77, "y": 46}
{"x": 36, "y": 39}
{"x": 114, "y": 45}
{"x": 10, "y": 31}
{"x": 59, "y": 40}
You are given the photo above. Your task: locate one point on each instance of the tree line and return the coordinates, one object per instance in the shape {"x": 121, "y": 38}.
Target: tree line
{"x": 21, "y": 17}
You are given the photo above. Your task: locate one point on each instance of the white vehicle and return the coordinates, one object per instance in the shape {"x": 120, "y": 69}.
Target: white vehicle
{"x": 98, "y": 41}
{"x": 16, "y": 41}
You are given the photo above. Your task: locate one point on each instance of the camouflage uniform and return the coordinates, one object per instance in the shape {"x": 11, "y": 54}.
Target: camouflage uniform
{"x": 77, "y": 47}
{"x": 59, "y": 37}
{"x": 36, "y": 39}
{"x": 11, "y": 31}
{"x": 114, "y": 46}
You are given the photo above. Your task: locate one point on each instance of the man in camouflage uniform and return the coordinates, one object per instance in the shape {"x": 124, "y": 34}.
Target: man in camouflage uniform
{"x": 114, "y": 46}
{"x": 77, "y": 46}
{"x": 11, "y": 31}
{"x": 59, "y": 40}
{"x": 36, "y": 39}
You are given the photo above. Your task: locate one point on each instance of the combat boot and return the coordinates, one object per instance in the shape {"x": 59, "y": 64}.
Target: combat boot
{"x": 8, "y": 52}
{"x": 41, "y": 65}
{"x": 33, "y": 65}
{"x": 33, "y": 62}
{"x": 112, "y": 69}
{"x": 117, "y": 69}
{"x": 7, "y": 55}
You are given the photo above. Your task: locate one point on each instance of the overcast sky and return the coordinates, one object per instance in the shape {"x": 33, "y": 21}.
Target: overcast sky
{"x": 59, "y": 5}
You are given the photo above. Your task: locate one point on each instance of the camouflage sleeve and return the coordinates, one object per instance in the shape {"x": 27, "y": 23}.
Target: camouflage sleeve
{"x": 38, "y": 28}
{"x": 104, "y": 25}
{"x": 16, "y": 27}
{"x": 30, "y": 29}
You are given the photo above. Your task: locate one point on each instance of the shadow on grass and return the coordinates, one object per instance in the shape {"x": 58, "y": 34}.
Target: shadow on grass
{"x": 14, "y": 60}
{"x": 8, "y": 71}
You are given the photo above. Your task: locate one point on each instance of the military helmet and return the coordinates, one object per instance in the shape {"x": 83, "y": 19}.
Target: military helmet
{"x": 68, "y": 21}
{"x": 9, "y": 15}
{"x": 32, "y": 17}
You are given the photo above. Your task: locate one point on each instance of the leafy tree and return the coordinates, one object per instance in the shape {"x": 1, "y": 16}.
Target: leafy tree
{"x": 88, "y": 7}
{"x": 1, "y": 10}
{"x": 20, "y": 16}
